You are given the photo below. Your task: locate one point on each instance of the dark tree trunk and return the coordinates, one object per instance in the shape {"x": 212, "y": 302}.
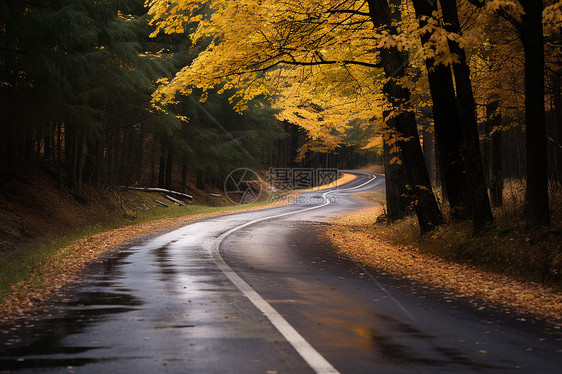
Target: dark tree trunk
{"x": 114, "y": 176}
{"x": 494, "y": 151}
{"x": 130, "y": 164}
{"x": 81, "y": 162}
{"x": 429, "y": 153}
{"x": 394, "y": 63}
{"x": 152, "y": 165}
{"x": 496, "y": 182}
{"x": 557, "y": 131}
{"x": 199, "y": 182}
{"x": 59, "y": 156}
{"x": 475, "y": 183}
{"x": 446, "y": 119}
{"x": 162, "y": 165}
{"x": 486, "y": 136}
{"x": 395, "y": 181}
{"x": 139, "y": 157}
{"x": 535, "y": 120}
{"x": 124, "y": 141}
{"x": 169, "y": 167}
{"x": 294, "y": 145}
{"x": 98, "y": 164}
{"x": 48, "y": 145}
{"x": 184, "y": 176}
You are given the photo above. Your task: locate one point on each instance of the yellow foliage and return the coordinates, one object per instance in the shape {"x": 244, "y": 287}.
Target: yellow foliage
{"x": 318, "y": 60}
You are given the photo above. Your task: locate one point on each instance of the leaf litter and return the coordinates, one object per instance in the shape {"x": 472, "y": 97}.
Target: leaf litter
{"x": 354, "y": 235}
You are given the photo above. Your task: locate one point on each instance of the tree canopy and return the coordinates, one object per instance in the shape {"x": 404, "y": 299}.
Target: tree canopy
{"x": 325, "y": 65}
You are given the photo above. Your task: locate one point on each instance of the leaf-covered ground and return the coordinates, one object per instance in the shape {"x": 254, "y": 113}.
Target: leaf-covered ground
{"x": 355, "y": 236}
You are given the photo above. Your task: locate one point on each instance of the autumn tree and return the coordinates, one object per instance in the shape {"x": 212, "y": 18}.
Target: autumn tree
{"x": 445, "y": 110}
{"x": 526, "y": 16}
{"x": 394, "y": 62}
{"x": 478, "y": 195}
{"x": 257, "y": 45}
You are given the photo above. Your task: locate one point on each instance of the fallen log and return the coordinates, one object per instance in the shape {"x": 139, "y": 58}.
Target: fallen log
{"x": 161, "y": 190}
{"x": 161, "y": 203}
{"x": 181, "y": 203}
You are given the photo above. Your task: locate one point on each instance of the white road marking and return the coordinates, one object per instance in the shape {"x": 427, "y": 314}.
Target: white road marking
{"x": 316, "y": 361}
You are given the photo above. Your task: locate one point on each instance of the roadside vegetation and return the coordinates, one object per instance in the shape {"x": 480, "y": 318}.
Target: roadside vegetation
{"x": 29, "y": 260}
{"x": 506, "y": 247}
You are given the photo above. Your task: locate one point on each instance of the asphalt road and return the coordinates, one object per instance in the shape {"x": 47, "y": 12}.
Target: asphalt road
{"x": 259, "y": 292}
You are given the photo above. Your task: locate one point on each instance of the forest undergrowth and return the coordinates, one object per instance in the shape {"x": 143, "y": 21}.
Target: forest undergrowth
{"x": 506, "y": 247}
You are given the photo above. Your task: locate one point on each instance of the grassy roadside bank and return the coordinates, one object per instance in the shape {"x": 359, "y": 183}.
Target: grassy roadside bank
{"x": 18, "y": 265}
{"x": 506, "y": 267}
{"x": 31, "y": 275}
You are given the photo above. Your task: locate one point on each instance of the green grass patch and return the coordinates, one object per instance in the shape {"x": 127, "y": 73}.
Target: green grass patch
{"x": 22, "y": 263}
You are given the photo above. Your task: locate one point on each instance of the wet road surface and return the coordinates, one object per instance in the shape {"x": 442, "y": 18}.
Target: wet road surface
{"x": 259, "y": 292}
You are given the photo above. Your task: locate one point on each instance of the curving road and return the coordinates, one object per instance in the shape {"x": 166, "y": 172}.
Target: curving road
{"x": 259, "y": 292}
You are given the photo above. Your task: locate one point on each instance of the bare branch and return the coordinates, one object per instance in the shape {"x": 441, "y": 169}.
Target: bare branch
{"x": 502, "y": 13}
{"x": 353, "y": 12}
{"x": 477, "y": 3}
{"x": 509, "y": 18}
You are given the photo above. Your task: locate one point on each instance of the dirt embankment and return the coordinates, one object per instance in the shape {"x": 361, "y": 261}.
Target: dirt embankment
{"x": 35, "y": 207}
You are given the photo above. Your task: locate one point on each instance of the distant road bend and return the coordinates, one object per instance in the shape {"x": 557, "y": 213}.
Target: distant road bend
{"x": 260, "y": 292}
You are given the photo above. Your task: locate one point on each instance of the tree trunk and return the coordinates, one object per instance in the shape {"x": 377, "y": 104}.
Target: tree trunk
{"x": 496, "y": 182}
{"x": 184, "y": 175}
{"x": 82, "y": 160}
{"x": 475, "y": 183}
{"x": 446, "y": 120}
{"x": 123, "y": 144}
{"x": 429, "y": 153}
{"x": 169, "y": 167}
{"x": 139, "y": 157}
{"x": 48, "y": 145}
{"x": 395, "y": 182}
{"x": 152, "y": 164}
{"x": 535, "y": 119}
{"x": 199, "y": 183}
{"x": 394, "y": 63}
{"x": 557, "y": 109}
{"x": 162, "y": 165}
{"x": 494, "y": 141}
{"x": 59, "y": 156}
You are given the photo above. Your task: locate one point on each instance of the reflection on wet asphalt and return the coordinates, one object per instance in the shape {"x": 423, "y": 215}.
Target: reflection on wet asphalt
{"x": 359, "y": 328}
{"x": 159, "y": 306}
{"x": 164, "y": 306}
